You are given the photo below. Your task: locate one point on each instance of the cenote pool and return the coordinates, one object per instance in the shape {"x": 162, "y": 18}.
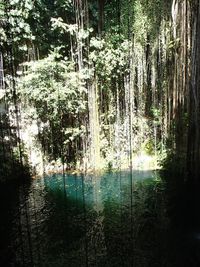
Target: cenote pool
{"x": 114, "y": 219}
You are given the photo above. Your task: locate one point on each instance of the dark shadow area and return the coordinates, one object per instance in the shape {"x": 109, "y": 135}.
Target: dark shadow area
{"x": 12, "y": 197}
{"x": 183, "y": 200}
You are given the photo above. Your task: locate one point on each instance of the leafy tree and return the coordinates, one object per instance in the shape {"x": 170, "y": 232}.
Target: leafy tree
{"x": 15, "y": 31}
{"x": 58, "y": 94}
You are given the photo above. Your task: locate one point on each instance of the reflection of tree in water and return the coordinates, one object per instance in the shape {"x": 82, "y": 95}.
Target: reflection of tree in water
{"x": 96, "y": 243}
{"x": 134, "y": 224}
{"x": 107, "y": 220}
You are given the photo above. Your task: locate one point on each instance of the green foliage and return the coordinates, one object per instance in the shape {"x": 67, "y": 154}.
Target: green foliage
{"x": 53, "y": 87}
{"x": 156, "y": 116}
{"x": 147, "y": 18}
{"x": 25, "y": 23}
{"x": 149, "y": 147}
{"x": 58, "y": 95}
{"x": 15, "y": 26}
{"x": 110, "y": 56}
{"x": 2, "y": 21}
{"x": 173, "y": 163}
{"x": 40, "y": 21}
{"x": 118, "y": 66}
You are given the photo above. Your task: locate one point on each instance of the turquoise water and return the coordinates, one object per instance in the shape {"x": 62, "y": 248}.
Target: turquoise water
{"x": 116, "y": 219}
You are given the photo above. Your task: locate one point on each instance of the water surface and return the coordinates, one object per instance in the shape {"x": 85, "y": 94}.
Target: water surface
{"x": 116, "y": 219}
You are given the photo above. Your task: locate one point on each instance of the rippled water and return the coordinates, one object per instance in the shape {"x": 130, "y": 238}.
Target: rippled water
{"x": 116, "y": 219}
